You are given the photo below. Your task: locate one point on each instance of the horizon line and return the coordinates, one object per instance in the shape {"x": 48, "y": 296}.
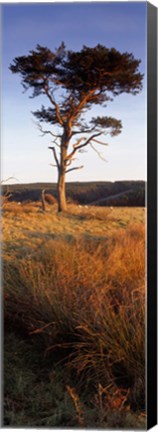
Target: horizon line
{"x": 84, "y": 181}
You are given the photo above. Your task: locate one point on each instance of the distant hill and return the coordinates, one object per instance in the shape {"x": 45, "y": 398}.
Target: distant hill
{"x": 119, "y": 193}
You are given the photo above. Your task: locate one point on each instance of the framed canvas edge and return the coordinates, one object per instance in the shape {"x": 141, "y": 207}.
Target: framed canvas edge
{"x": 151, "y": 393}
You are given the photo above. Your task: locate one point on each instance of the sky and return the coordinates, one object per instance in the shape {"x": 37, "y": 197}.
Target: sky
{"x": 25, "y": 154}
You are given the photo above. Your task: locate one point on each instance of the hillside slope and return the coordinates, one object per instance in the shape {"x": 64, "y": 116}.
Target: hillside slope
{"x": 126, "y": 193}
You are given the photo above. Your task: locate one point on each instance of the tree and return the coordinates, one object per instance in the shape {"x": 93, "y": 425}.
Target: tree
{"x": 73, "y": 83}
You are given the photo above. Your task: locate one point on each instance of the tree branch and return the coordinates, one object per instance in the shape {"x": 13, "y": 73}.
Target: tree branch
{"x": 69, "y": 162}
{"x": 55, "y": 142}
{"x": 100, "y": 142}
{"x": 9, "y": 178}
{"x": 98, "y": 153}
{"x": 88, "y": 140}
{"x": 78, "y": 147}
{"x": 69, "y": 157}
{"x": 75, "y": 168}
{"x": 44, "y": 132}
{"x": 81, "y": 104}
{"x": 52, "y": 100}
{"x": 83, "y": 131}
{"x": 55, "y": 156}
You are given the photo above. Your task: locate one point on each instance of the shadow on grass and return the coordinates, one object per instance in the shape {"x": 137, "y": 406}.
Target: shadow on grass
{"x": 37, "y": 393}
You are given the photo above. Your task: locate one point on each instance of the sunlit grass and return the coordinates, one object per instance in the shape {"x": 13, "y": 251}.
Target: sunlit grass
{"x": 74, "y": 285}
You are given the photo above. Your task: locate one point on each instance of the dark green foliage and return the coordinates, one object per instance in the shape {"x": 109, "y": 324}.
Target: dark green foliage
{"x": 86, "y": 77}
{"x": 108, "y": 123}
{"x": 90, "y": 69}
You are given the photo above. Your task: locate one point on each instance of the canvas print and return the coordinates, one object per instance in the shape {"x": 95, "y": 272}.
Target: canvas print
{"x": 74, "y": 214}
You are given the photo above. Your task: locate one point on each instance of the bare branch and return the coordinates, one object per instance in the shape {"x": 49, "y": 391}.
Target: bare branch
{"x": 81, "y": 104}
{"x": 52, "y": 100}
{"x": 74, "y": 148}
{"x": 9, "y": 178}
{"x": 83, "y": 131}
{"x": 88, "y": 140}
{"x": 55, "y": 142}
{"x": 69, "y": 161}
{"x": 78, "y": 147}
{"x": 100, "y": 142}
{"x": 98, "y": 153}
{"x": 55, "y": 156}
{"x": 75, "y": 168}
{"x": 44, "y": 132}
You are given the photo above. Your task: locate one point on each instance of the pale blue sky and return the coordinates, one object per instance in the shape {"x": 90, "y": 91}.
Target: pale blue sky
{"x": 25, "y": 154}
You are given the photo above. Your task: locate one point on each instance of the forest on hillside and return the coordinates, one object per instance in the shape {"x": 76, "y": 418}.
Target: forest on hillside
{"x": 130, "y": 193}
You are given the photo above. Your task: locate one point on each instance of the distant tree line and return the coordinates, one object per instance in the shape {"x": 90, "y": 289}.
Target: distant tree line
{"x": 83, "y": 193}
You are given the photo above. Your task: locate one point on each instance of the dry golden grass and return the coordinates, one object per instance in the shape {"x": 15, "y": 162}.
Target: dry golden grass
{"x": 26, "y": 226}
{"x": 77, "y": 282}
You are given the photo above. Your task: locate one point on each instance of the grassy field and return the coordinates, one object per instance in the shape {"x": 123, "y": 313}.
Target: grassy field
{"x": 74, "y": 312}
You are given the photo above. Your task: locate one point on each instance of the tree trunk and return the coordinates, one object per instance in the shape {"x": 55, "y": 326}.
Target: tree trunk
{"x": 62, "y": 170}
{"x": 43, "y": 200}
{"x": 61, "y": 192}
